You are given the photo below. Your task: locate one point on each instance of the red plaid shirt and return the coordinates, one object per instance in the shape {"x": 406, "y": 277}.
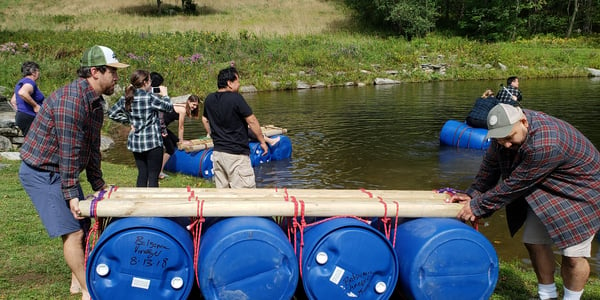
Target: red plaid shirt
{"x": 65, "y": 136}
{"x": 556, "y": 171}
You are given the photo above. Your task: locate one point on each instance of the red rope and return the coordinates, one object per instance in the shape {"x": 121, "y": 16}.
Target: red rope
{"x": 113, "y": 188}
{"x": 93, "y": 234}
{"x": 285, "y": 194}
{"x": 196, "y": 228}
{"x": 387, "y": 226}
{"x": 293, "y": 226}
{"x": 475, "y": 224}
{"x": 366, "y": 192}
{"x": 386, "y": 221}
{"x": 396, "y": 224}
{"x": 191, "y": 196}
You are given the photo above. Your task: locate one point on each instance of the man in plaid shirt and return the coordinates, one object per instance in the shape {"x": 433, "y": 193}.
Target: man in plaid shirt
{"x": 64, "y": 140}
{"x": 547, "y": 175}
{"x": 510, "y": 94}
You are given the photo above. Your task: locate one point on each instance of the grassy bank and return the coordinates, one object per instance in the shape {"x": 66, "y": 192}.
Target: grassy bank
{"x": 191, "y": 60}
{"x": 33, "y": 266}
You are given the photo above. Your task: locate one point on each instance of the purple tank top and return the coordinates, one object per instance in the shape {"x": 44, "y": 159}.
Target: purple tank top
{"x": 37, "y": 96}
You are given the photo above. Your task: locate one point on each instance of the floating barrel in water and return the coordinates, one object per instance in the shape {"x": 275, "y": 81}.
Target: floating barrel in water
{"x": 459, "y": 134}
{"x": 442, "y": 258}
{"x": 256, "y": 154}
{"x": 345, "y": 258}
{"x": 247, "y": 258}
{"x": 141, "y": 258}
{"x": 281, "y": 150}
{"x": 197, "y": 163}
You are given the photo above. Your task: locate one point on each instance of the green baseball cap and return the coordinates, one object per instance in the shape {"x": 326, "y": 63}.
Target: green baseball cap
{"x": 101, "y": 56}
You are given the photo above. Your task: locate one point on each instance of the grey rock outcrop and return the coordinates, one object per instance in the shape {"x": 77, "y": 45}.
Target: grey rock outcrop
{"x": 11, "y": 138}
{"x": 10, "y": 133}
{"x": 381, "y": 81}
{"x": 594, "y": 72}
{"x": 248, "y": 89}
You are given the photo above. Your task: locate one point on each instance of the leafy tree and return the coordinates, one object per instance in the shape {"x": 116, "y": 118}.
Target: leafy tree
{"x": 489, "y": 20}
{"x": 405, "y": 17}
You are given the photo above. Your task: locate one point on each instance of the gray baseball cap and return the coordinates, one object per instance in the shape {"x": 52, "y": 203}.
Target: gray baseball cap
{"x": 501, "y": 119}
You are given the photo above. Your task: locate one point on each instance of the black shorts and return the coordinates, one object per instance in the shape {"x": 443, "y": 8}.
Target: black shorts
{"x": 170, "y": 142}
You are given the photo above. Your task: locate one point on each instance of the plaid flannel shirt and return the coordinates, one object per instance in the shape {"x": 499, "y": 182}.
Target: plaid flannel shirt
{"x": 146, "y": 133}
{"x": 65, "y": 136}
{"x": 556, "y": 170}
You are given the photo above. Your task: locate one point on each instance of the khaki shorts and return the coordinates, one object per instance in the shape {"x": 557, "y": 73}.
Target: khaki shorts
{"x": 233, "y": 170}
{"x": 535, "y": 233}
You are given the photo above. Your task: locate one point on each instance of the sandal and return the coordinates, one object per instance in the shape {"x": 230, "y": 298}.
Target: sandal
{"x": 162, "y": 175}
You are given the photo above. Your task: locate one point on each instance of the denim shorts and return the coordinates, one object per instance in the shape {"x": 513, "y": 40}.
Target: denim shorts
{"x": 44, "y": 189}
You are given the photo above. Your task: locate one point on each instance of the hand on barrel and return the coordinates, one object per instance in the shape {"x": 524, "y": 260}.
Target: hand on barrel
{"x": 265, "y": 148}
{"x": 465, "y": 213}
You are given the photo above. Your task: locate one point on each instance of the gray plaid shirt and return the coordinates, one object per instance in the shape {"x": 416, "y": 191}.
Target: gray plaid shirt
{"x": 146, "y": 132}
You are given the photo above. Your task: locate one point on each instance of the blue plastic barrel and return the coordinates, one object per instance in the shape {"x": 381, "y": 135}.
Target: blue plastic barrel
{"x": 198, "y": 163}
{"x": 141, "y": 258}
{"x": 459, "y": 134}
{"x": 345, "y": 258}
{"x": 256, "y": 154}
{"x": 442, "y": 258}
{"x": 281, "y": 150}
{"x": 247, "y": 258}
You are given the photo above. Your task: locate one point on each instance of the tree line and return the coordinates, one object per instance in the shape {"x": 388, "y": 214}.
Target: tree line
{"x": 486, "y": 20}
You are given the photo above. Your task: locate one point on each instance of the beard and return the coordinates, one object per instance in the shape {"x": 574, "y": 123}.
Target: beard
{"x": 109, "y": 90}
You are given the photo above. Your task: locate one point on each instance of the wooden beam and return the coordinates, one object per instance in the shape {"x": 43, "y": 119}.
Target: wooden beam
{"x": 168, "y": 202}
{"x": 206, "y": 143}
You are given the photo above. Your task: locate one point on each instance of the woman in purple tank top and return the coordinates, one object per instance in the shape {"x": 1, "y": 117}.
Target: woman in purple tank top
{"x": 28, "y": 98}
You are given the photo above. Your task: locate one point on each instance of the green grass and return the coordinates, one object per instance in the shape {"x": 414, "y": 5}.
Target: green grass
{"x": 33, "y": 267}
{"x": 191, "y": 66}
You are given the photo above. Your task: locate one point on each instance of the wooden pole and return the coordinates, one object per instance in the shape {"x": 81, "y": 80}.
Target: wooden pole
{"x": 164, "y": 202}
{"x": 278, "y": 194}
{"x": 158, "y": 208}
{"x": 201, "y": 144}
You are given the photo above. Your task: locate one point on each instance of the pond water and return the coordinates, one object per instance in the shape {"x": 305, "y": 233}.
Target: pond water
{"x": 387, "y": 137}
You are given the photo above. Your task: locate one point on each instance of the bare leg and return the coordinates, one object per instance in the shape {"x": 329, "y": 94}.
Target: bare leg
{"x": 74, "y": 256}
{"x": 542, "y": 259}
{"x": 166, "y": 157}
{"x": 575, "y": 272}
{"x": 271, "y": 141}
{"x": 75, "y": 286}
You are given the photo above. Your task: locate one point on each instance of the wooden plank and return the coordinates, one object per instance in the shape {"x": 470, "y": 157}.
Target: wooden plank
{"x": 206, "y": 143}
{"x": 225, "y": 208}
{"x": 277, "y": 194}
{"x": 172, "y": 202}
